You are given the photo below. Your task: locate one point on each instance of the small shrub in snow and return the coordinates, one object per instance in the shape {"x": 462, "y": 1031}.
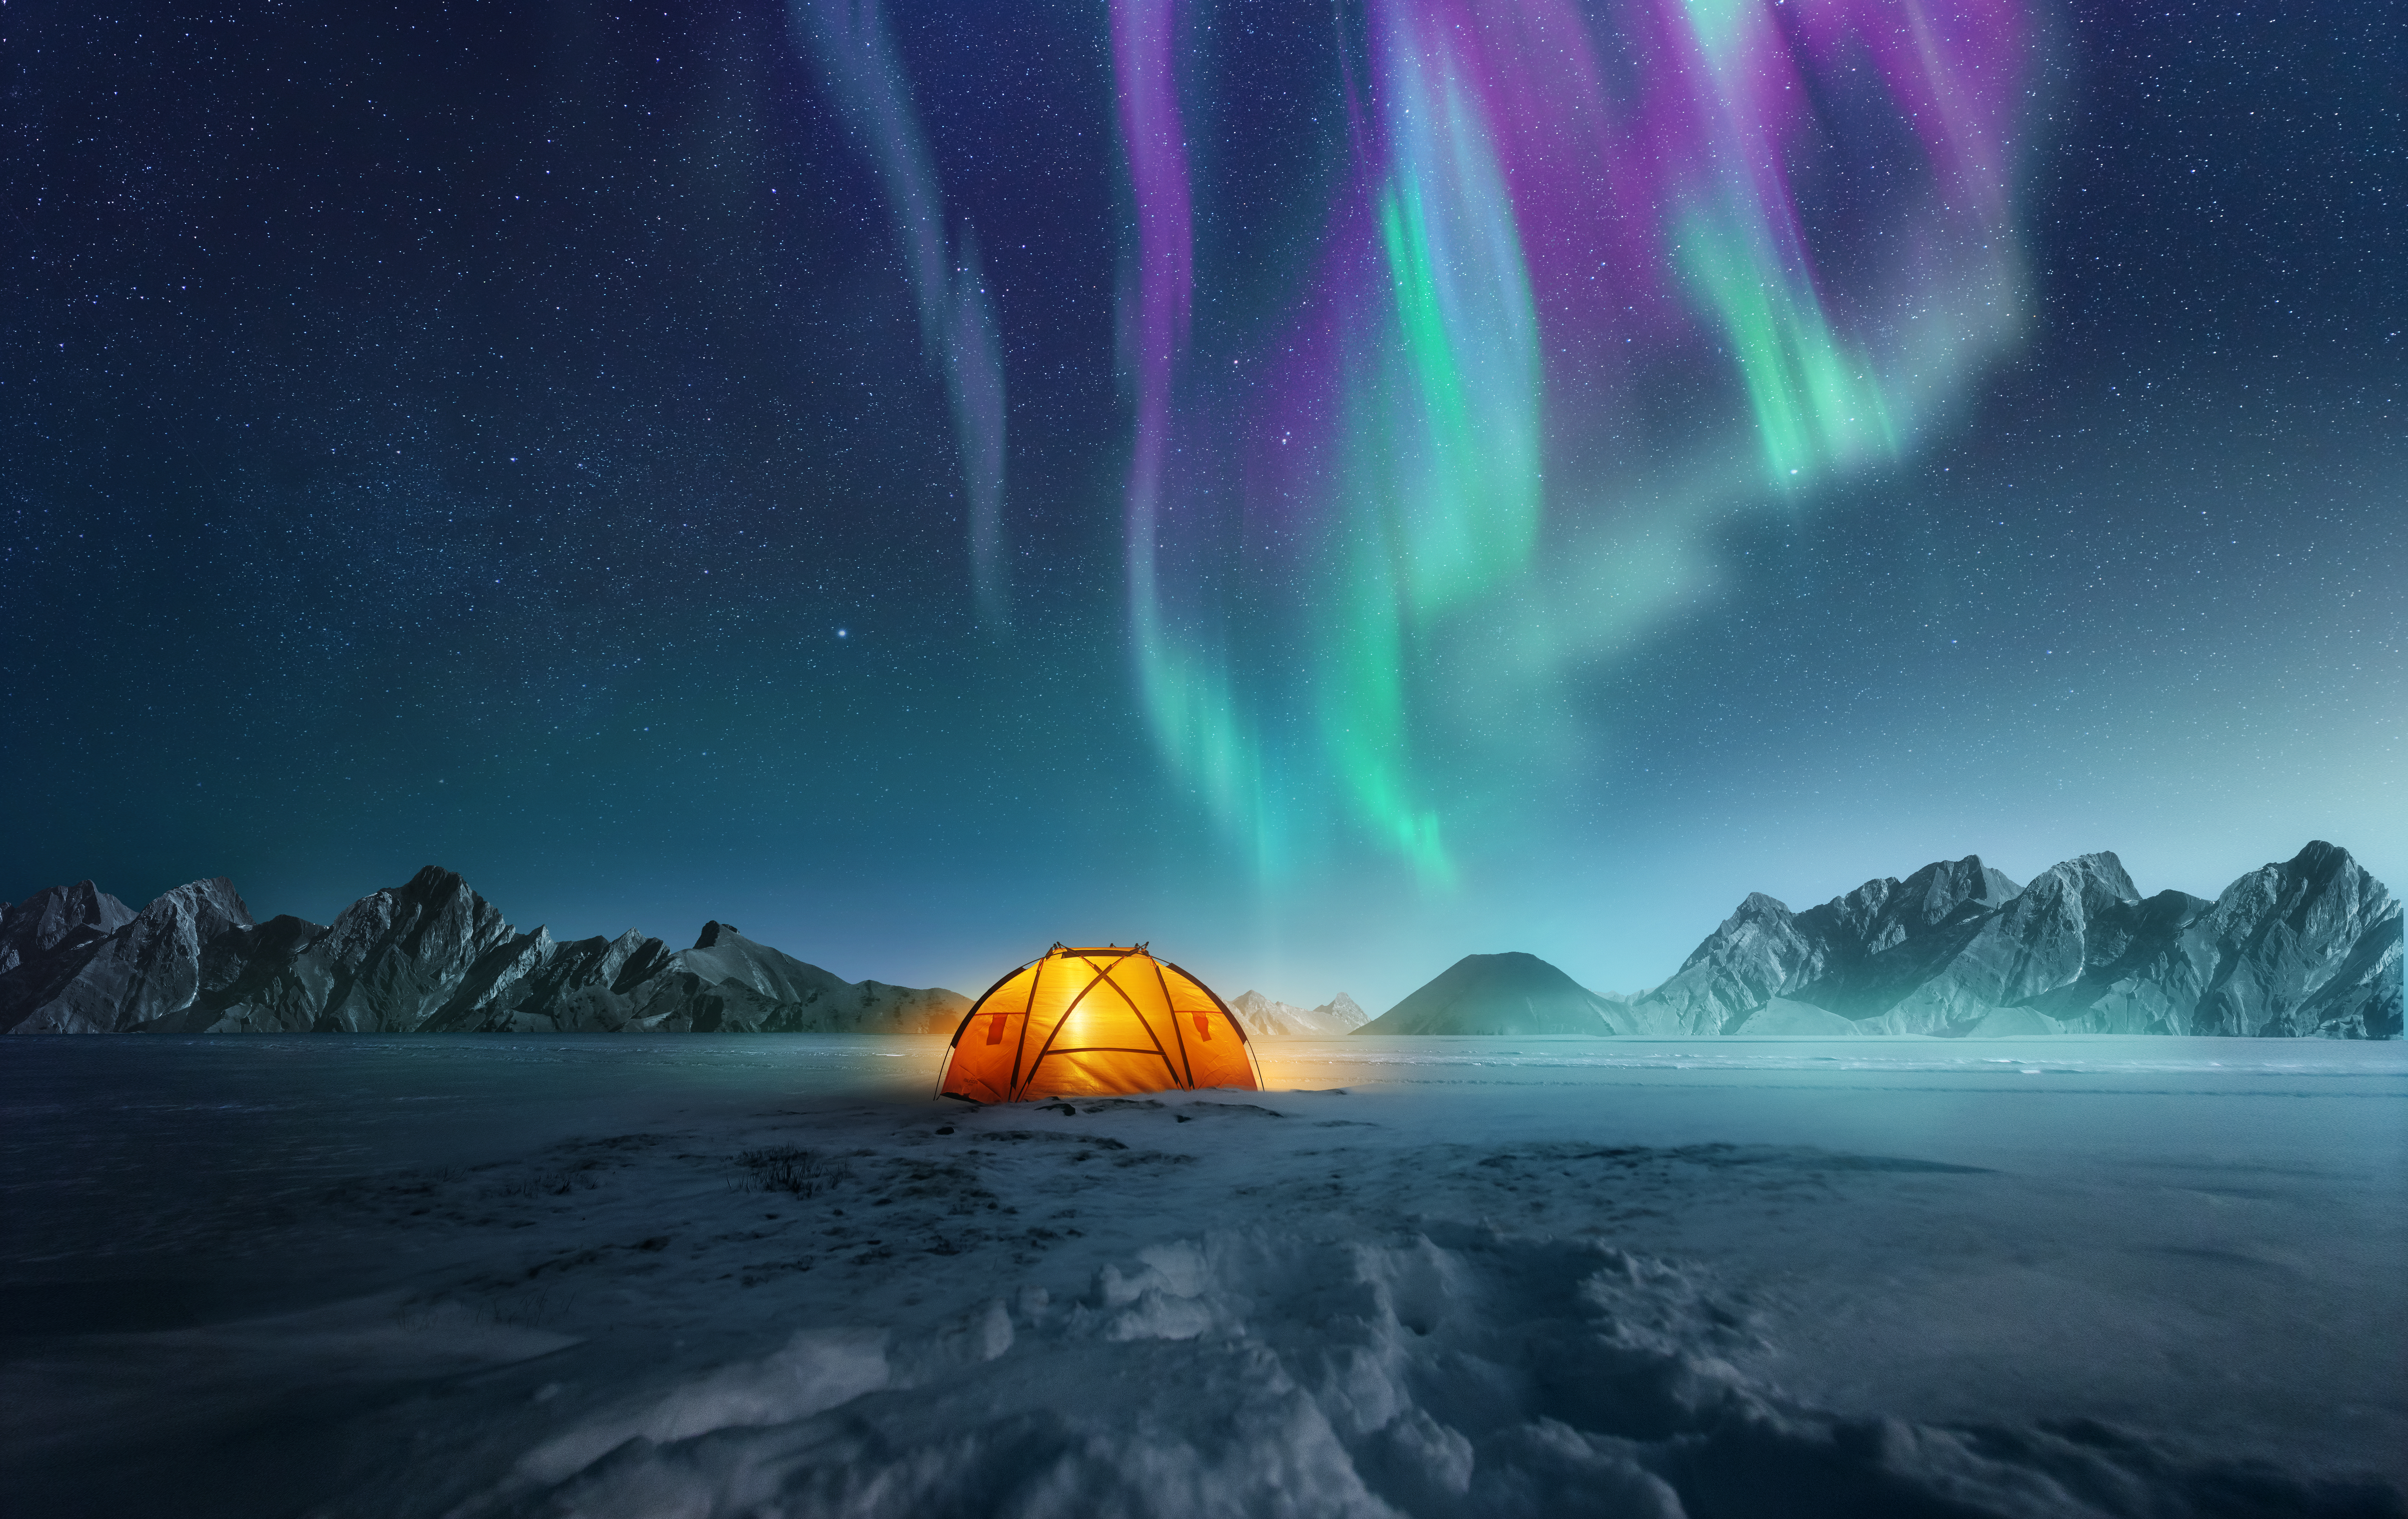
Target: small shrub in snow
{"x": 788, "y": 1168}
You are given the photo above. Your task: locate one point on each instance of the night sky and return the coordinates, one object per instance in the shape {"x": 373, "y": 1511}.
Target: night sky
{"x": 1323, "y": 490}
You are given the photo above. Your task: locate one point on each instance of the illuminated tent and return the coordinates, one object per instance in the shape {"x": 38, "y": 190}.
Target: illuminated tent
{"x": 1080, "y": 1022}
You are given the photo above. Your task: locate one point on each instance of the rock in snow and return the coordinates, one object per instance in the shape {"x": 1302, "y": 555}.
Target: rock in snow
{"x": 1263, "y": 1017}
{"x": 2310, "y": 946}
{"x": 430, "y": 956}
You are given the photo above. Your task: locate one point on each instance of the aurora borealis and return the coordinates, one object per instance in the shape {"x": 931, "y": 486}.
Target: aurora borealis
{"x": 1326, "y": 488}
{"x": 1513, "y": 246}
{"x": 856, "y": 55}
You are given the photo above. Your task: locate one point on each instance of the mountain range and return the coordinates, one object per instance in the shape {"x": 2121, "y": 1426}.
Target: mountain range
{"x": 2308, "y": 946}
{"x": 429, "y": 957}
{"x": 1261, "y": 1015}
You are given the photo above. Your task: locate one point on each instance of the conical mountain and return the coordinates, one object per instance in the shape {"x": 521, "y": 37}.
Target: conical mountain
{"x": 1502, "y": 993}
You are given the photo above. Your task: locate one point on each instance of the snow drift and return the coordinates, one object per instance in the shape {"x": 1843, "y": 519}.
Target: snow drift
{"x": 1447, "y": 1370}
{"x": 519, "y": 1276}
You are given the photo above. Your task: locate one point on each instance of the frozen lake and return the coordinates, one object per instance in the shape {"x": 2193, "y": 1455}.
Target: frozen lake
{"x": 698, "y": 1274}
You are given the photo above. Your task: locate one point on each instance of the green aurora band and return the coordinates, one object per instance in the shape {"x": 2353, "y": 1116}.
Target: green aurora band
{"x": 1438, "y": 499}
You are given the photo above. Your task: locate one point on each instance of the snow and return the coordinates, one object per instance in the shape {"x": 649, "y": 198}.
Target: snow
{"x": 767, "y": 1275}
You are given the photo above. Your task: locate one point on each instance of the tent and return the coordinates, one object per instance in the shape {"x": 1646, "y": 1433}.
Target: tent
{"x": 1078, "y": 1022}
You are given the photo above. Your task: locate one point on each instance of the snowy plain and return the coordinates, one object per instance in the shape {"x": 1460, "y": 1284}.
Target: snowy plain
{"x": 767, "y": 1275}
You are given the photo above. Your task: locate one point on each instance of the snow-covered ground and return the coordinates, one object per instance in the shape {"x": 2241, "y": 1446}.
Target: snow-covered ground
{"x": 766, "y": 1275}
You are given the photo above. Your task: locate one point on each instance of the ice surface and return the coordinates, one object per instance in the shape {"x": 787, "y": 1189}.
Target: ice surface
{"x": 1430, "y": 1276}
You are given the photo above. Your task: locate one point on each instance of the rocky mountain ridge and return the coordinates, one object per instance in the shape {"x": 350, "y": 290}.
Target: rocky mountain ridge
{"x": 1340, "y": 1014}
{"x": 428, "y": 956}
{"x": 2306, "y": 946}
{"x": 2311, "y": 946}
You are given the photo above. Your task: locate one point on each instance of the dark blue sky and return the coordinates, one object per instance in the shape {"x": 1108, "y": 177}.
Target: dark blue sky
{"x": 508, "y": 439}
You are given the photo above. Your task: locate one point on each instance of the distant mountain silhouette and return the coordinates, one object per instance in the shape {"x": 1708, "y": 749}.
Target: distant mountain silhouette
{"x": 1502, "y": 993}
{"x": 1261, "y": 1015}
{"x": 2308, "y": 946}
{"x": 429, "y": 957}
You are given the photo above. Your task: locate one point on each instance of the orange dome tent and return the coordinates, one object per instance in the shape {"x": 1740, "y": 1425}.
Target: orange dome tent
{"x": 1076, "y": 1023}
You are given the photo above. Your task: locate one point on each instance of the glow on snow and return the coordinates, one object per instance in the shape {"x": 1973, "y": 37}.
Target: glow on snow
{"x": 1525, "y": 241}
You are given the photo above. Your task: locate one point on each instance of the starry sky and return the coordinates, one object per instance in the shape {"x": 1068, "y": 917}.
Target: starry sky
{"x": 1323, "y": 488}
